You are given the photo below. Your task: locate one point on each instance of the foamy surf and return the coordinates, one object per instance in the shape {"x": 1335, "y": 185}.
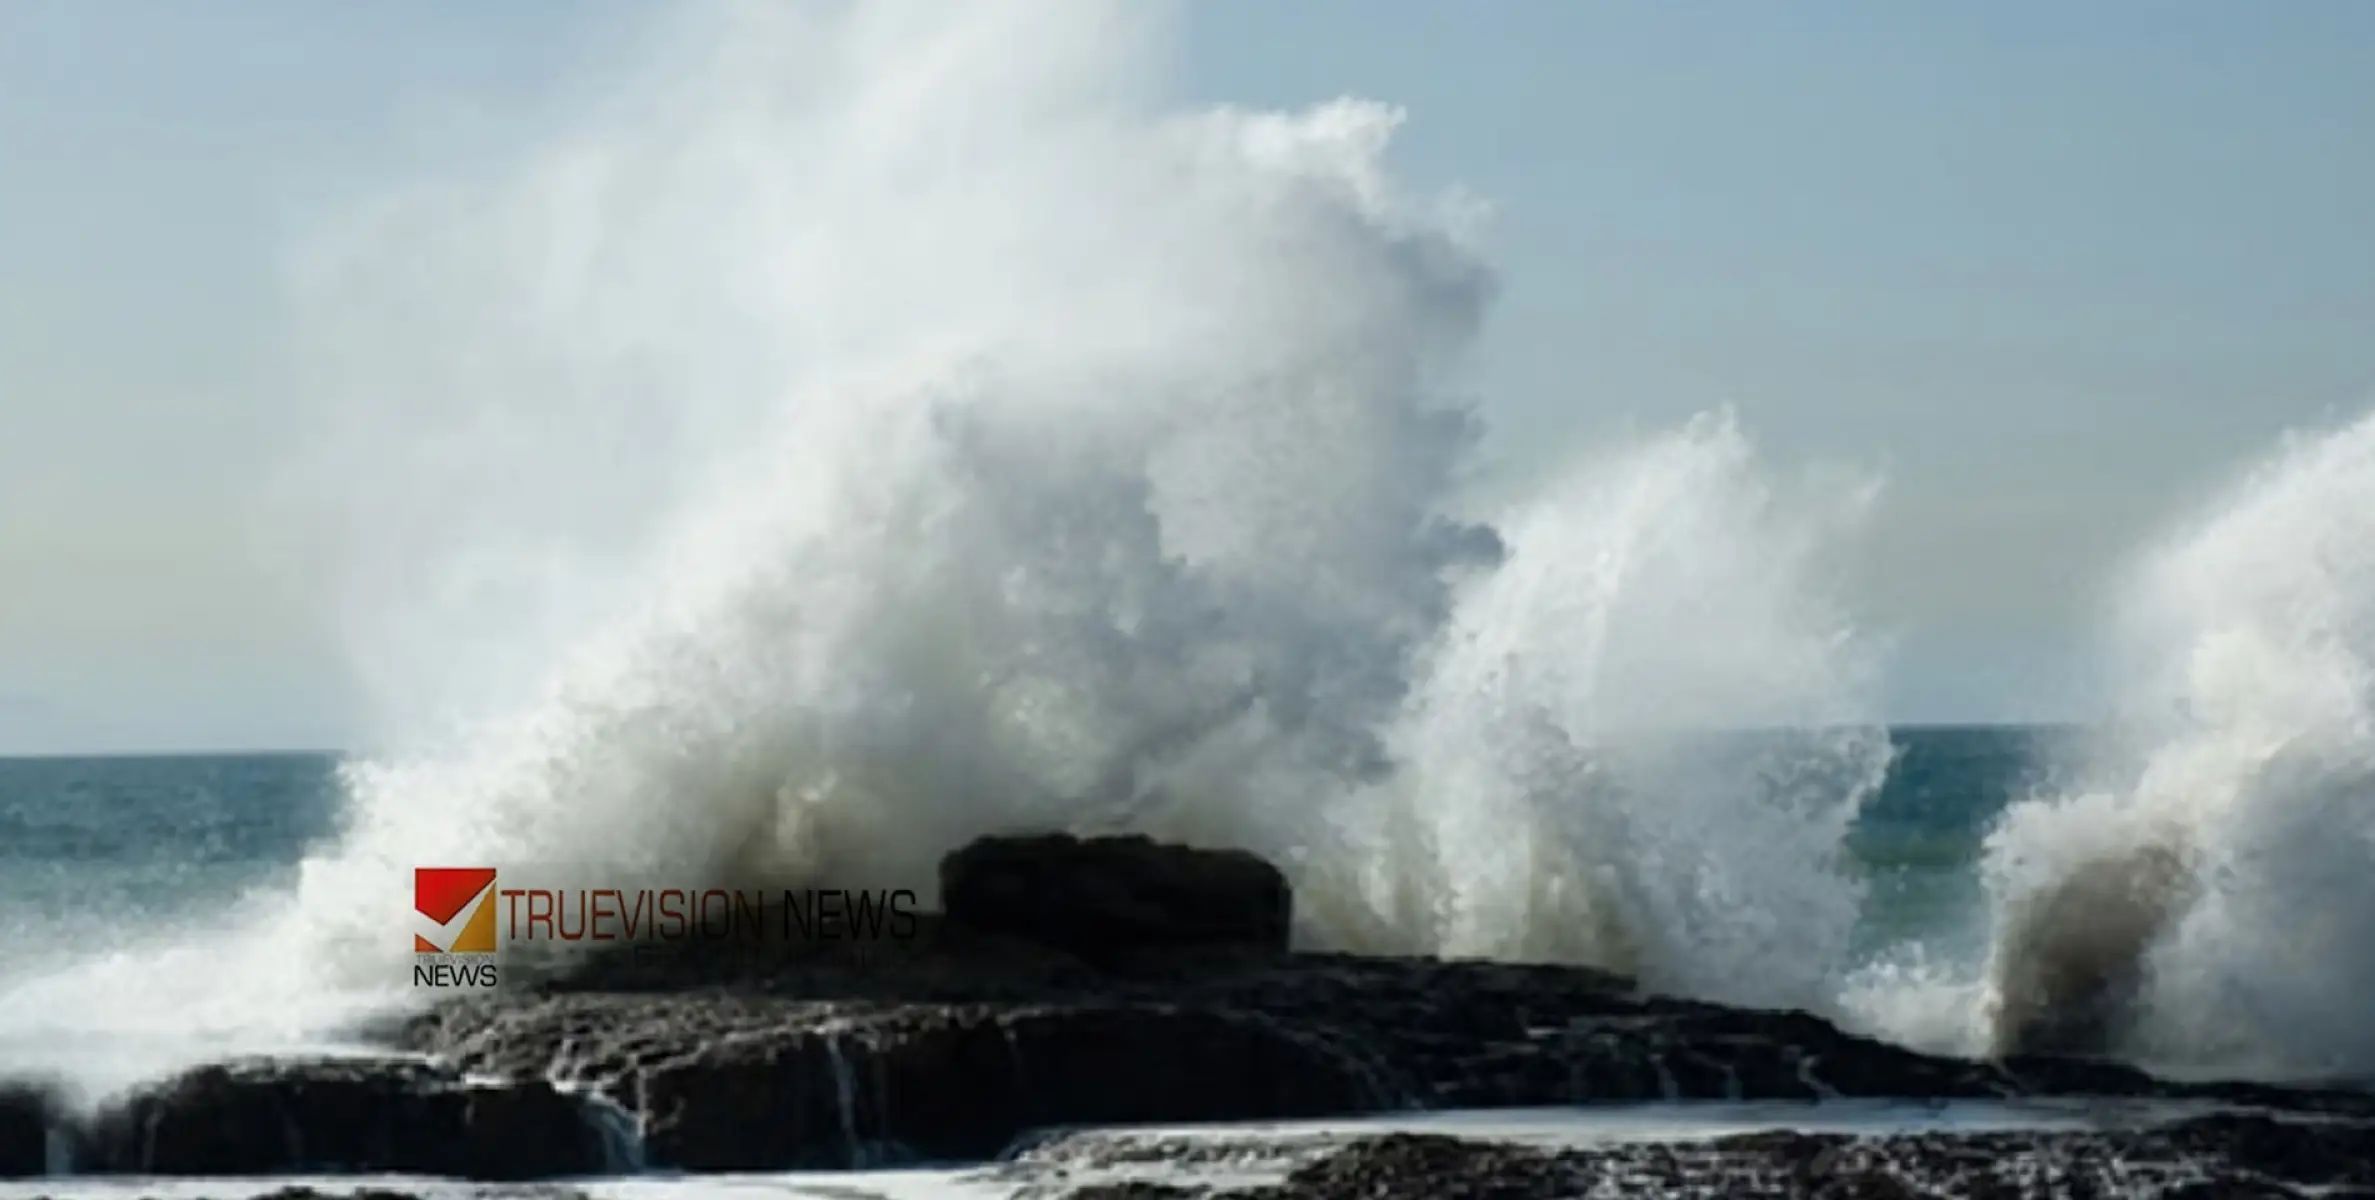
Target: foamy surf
{"x": 2240, "y": 827}
{"x": 874, "y": 426}
{"x": 1011, "y": 449}
{"x": 2196, "y": 901}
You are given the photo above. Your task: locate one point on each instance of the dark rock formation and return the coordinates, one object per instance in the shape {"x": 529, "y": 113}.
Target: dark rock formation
{"x": 2216, "y": 1156}
{"x": 758, "y": 1083}
{"x": 24, "y": 1131}
{"x": 269, "y": 1117}
{"x": 1109, "y": 899}
{"x": 1087, "y": 983}
{"x": 766, "y": 1080}
{"x": 1137, "y": 1189}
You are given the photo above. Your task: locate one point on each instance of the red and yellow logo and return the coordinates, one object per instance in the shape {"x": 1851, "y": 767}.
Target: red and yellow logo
{"x": 444, "y": 895}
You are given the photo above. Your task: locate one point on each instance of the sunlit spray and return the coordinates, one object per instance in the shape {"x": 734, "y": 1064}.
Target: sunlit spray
{"x": 876, "y": 426}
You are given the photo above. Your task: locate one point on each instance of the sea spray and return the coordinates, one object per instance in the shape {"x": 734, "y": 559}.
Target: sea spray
{"x": 1641, "y": 741}
{"x": 2205, "y": 907}
{"x": 1154, "y": 538}
{"x": 1118, "y": 509}
{"x": 871, "y": 427}
{"x": 874, "y": 426}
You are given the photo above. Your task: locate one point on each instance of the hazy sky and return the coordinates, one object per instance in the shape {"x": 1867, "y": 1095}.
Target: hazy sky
{"x": 2053, "y": 268}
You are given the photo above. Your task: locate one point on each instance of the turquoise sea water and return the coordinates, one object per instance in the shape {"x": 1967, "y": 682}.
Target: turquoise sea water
{"x": 1917, "y": 842}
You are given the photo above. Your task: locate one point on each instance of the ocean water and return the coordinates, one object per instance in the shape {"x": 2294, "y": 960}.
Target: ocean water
{"x": 128, "y": 861}
{"x": 1918, "y": 842}
{"x": 105, "y": 857}
{"x": 848, "y": 429}
{"x": 93, "y": 850}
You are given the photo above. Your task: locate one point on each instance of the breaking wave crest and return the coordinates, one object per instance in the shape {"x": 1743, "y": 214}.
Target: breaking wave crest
{"x": 874, "y": 427}
{"x": 2195, "y": 900}
{"x": 2206, "y": 908}
{"x": 884, "y": 426}
{"x": 1640, "y": 743}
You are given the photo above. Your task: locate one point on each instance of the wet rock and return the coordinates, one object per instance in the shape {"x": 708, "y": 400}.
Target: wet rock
{"x": 25, "y": 1120}
{"x": 1113, "y": 898}
{"x": 756, "y": 1085}
{"x": 262, "y": 1117}
{"x": 2325, "y": 1152}
{"x": 1439, "y": 1168}
{"x": 950, "y": 1046}
{"x": 1158, "y": 990}
{"x": 2223, "y": 1156}
{"x": 525, "y": 1131}
{"x": 1136, "y": 1189}
{"x": 270, "y": 1117}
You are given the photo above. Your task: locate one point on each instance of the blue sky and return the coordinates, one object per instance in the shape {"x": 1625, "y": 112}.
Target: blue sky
{"x": 2056, "y": 269}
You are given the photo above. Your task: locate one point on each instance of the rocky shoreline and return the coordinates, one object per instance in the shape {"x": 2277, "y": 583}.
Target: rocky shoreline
{"x": 1179, "y": 1003}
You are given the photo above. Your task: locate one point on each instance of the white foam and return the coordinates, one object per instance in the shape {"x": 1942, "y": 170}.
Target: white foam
{"x": 876, "y": 426}
{"x": 2221, "y": 846}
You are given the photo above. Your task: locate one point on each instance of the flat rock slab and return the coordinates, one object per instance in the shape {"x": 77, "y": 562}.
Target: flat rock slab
{"x": 751, "y": 1083}
{"x": 762, "y": 1080}
{"x": 846, "y": 1072}
{"x": 342, "y": 1116}
{"x": 2221, "y": 1156}
{"x": 2203, "y": 1158}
